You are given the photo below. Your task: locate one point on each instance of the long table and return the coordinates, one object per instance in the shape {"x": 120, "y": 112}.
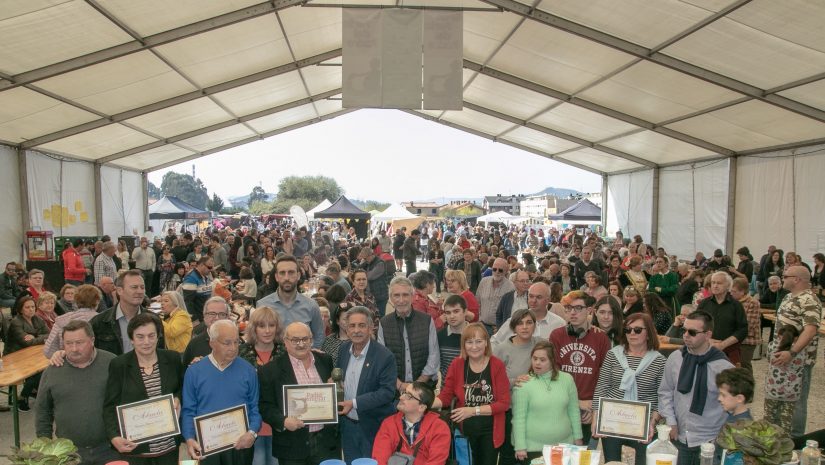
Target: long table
{"x": 772, "y": 317}
{"x": 17, "y": 366}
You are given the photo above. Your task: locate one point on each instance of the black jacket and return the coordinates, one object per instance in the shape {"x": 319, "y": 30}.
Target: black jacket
{"x": 125, "y": 385}
{"x": 107, "y": 331}
{"x": 292, "y": 445}
{"x": 474, "y": 278}
{"x": 8, "y": 287}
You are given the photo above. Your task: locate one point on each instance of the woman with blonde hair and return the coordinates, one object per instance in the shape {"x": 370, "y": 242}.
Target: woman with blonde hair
{"x": 457, "y": 284}
{"x": 177, "y": 323}
{"x": 46, "y": 303}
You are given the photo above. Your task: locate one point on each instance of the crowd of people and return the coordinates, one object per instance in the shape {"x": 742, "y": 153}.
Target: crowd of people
{"x": 505, "y": 328}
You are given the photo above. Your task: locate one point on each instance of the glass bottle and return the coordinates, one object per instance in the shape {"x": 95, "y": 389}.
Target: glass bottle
{"x": 810, "y": 454}
{"x": 662, "y": 451}
{"x": 706, "y": 451}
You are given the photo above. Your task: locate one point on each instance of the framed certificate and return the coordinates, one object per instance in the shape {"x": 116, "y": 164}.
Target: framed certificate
{"x": 624, "y": 419}
{"x": 311, "y": 403}
{"x": 218, "y": 431}
{"x": 148, "y": 420}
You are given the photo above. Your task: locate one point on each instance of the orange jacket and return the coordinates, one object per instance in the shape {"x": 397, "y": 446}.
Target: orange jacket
{"x": 433, "y": 440}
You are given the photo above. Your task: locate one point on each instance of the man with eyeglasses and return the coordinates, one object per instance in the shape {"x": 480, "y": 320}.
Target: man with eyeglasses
{"x": 197, "y": 287}
{"x": 515, "y": 299}
{"x": 414, "y": 430}
{"x": 580, "y": 351}
{"x": 802, "y": 310}
{"x": 729, "y": 320}
{"x": 490, "y": 292}
{"x": 217, "y": 382}
{"x": 215, "y": 309}
{"x": 688, "y": 392}
{"x": 538, "y": 298}
{"x": 290, "y": 304}
{"x": 293, "y": 442}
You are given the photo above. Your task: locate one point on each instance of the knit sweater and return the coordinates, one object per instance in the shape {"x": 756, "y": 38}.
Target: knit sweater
{"x": 540, "y": 399}
{"x": 72, "y": 407}
{"x": 516, "y": 358}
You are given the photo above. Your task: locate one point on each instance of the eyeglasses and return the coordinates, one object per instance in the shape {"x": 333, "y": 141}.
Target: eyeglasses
{"x": 499, "y": 270}
{"x": 216, "y": 315}
{"x": 636, "y": 330}
{"x": 299, "y": 340}
{"x": 694, "y": 332}
{"x": 408, "y": 395}
{"x": 574, "y": 308}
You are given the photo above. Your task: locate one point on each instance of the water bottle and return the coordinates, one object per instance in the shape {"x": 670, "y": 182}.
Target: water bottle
{"x": 810, "y": 454}
{"x": 706, "y": 452}
{"x": 662, "y": 451}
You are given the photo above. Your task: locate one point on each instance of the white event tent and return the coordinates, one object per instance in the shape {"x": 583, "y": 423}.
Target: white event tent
{"x": 320, "y": 207}
{"x": 705, "y": 118}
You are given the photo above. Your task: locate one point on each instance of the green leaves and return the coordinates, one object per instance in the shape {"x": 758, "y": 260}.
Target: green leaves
{"x": 763, "y": 442}
{"x": 45, "y": 451}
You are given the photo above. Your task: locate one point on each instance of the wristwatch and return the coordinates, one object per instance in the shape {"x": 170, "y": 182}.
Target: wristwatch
{"x": 478, "y": 411}
{"x": 254, "y": 434}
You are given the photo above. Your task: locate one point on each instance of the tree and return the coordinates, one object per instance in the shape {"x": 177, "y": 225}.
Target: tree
{"x": 304, "y": 191}
{"x": 259, "y": 208}
{"x": 370, "y": 205}
{"x": 154, "y": 191}
{"x": 186, "y": 188}
{"x": 258, "y": 195}
{"x": 216, "y": 204}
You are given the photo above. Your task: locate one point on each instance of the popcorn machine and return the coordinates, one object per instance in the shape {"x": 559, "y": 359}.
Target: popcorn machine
{"x": 39, "y": 245}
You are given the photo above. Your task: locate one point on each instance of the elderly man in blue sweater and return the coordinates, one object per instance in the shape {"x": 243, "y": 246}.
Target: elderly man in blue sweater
{"x": 220, "y": 381}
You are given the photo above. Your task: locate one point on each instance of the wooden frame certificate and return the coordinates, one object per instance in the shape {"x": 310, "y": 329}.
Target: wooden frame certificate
{"x": 218, "y": 431}
{"x": 624, "y": 419}
{"x": 148, "y": 420}
{"x": 311, "y": 403}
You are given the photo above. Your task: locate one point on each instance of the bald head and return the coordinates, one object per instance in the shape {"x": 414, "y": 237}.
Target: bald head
{"x": 797, "y": 279}
{"x": 538, "y": 296}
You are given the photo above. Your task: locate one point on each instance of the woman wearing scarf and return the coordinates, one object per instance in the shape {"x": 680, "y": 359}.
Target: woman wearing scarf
{"x": 631, "y": 371}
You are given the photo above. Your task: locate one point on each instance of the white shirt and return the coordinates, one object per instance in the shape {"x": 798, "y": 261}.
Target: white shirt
{"x": 543, "y": 329}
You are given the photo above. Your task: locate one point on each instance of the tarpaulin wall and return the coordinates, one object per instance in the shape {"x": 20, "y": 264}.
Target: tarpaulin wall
{"x": 122, "y": 196}
{"x": 630, "y": 204}
{"x": 780, "y": 200}
{"x": 61, "y": 195}
{"x": 11, "y": 228}
{"x": 693, "y": 208}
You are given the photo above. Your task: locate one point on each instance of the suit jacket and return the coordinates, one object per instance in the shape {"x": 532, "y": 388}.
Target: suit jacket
{"x": 107, "y": 331}
{"x": 125, "y": 385}
{"x": 290, "y": 445}
{"x": 376, "y": 395}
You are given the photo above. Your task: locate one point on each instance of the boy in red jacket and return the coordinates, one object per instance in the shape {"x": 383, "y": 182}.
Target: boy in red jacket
{"x": 414, "y": 430}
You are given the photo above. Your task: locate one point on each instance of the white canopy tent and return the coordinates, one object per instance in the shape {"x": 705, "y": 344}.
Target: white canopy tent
{"x": 321, "y": 206}
{"x": 706, "y": 118}
{"x": 394, "y": 212}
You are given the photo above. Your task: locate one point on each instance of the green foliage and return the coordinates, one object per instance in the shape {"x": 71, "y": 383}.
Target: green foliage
{"x": 216, "y": 204}
{"x": 259, "y": 208}
{"x": 154, "y": 191}
{"x": 231, "y": 210}
{"x": 258, "y": 195}
{"x": 45, "y": 451}
{"x": 374, "y": 205}
{"x": 304, "y": 191}
{"x": 761, "y": 442}
{"x": 186, "y": 188}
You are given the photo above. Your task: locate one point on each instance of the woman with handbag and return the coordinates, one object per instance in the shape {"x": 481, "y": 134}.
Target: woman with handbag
{"x": 478, "y": 382}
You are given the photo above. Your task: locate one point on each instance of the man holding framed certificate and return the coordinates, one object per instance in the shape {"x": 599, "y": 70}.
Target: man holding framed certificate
{"x": 297, "y": 404}
{"x": 220, "y": 416}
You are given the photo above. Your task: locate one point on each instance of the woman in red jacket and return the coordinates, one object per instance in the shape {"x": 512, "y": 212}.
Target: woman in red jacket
{"x": 478, "y": 382}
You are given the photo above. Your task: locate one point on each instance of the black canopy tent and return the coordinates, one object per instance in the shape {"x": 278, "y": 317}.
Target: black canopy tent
{"x": 353, "y": 216}
{"x": 173, "y": 208}
{"x": 582, "y": 212}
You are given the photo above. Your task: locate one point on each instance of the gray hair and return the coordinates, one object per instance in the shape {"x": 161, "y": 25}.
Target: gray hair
{"x": 216, "y": 299}
{"x": 728, "y": 279}
{"x": 361, "y": 310}
{"x": 214, "y": 330}
{"x": 108, "y": 245}
{"x": 176, "y": 298}
{"x": 774, "y": 278}
{"x": 401, "y": 281}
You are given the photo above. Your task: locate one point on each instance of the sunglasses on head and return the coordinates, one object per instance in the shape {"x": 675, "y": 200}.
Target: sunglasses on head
{"x": 636, "y": 330}
{"x": 694, "y": 332}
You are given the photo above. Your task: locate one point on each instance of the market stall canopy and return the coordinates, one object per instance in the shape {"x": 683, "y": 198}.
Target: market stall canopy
{"x": 582, "y": 212}
{"x": 321, "y": 206}
{"x": 173, "y": 208}
{"x": 343, "y": 208}
{"x": 496, "y": 217}
{"x": 394, "y": 212}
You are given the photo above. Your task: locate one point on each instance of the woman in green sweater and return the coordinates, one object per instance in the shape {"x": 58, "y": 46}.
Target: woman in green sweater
{"x": 549, "y": 393}
{"x": 664, "y": 282}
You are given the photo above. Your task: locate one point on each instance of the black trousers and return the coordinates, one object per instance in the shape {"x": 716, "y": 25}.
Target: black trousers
{"x": 230, "y": 457}
{"x": 411, "y": 267}
{"x": 481, "y": 446}
{"x": 506, "y": 451}
{"x": 169, "y": 458}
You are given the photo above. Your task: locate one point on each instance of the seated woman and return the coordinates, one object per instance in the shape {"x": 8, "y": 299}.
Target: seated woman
{"x": 593, "y": 285}
{"x": 632, "y": 302}
{"x": 177, "y": 323}
{"x": 46, "y": 304}
{"x": 634, "y": 276}
{"x": 608, "y": 317}
{"x": 664, "y": 282}
{"x": 66, "y": 303}
{"x": 26, "y": 330}
{"x": 658, "y": 311}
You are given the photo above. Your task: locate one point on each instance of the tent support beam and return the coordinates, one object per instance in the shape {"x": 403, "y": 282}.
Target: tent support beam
{"x": 156, "y": 40}
{"x": 98, "y": 199}
{"x": 654, "y": 56}
{"x": 730, "y": 224}
{"x": 604, "y": 204}
{"x": 25, "y": 214}
{"x": 144, "y": 176}
{"x": 654, "y": 211}
{"x": 187, "y": 97}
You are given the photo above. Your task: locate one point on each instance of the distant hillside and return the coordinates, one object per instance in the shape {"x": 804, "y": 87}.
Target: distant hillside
{"x": 559, "y": 192}
{"x": 243, "y": 201}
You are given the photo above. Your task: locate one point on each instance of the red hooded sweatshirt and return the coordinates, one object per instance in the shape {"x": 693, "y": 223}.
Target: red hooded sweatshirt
{"x": 433, "y": 437}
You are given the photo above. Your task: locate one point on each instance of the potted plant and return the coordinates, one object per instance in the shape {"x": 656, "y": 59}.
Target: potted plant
{"x": 45, "y": 451}
{"x": 755, "y": 443}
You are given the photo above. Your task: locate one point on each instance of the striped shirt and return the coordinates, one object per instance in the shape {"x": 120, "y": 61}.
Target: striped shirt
{"x": 647, "y": 382}
{"x": 306, "y": 376}
{"x": 449, "y": 347}
{"x": 151, "y": 382}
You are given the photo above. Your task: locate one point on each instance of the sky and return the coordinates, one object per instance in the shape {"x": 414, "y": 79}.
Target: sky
{"x": 384, "y": 155}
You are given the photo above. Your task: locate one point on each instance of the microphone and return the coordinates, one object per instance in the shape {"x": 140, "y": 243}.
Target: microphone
{"x": 338, "y": 378}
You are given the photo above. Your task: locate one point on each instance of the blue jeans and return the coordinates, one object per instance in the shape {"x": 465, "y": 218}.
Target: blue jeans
{"x": 800, "y": 414}
{"x": 263, "y": 452}
{"x": 355, "y": 443}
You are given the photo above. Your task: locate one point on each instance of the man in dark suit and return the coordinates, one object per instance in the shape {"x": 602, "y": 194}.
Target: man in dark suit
{"x": 369, "y": 385}
{"x": 293, "y": 442}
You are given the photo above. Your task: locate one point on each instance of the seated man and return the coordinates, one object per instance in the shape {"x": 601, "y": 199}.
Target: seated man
{"x": 414, "y": 430}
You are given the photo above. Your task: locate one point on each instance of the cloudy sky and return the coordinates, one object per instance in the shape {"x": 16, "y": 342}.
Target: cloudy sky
{"x": 385, "y": 155}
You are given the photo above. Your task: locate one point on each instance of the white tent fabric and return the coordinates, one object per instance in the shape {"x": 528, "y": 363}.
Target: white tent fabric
{"x": 630, "y": 204}
{"x": 11, "y": 229}
{"x": 394, "y": 212}
{"x": 321, "y": 206}
{"x": 61, "y": 198}
{"x": 496, "y": 217}
{"x": 122, "y": 211}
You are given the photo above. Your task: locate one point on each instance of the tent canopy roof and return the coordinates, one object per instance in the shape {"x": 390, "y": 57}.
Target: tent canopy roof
{"x": 607, "y": 86}
{"x": 583, "y": 210}
{"x": 321, "y": 206}
{"x": 343, "y": 208}
{"x": 173, "y": 208}
{"x": 394, "y": 212}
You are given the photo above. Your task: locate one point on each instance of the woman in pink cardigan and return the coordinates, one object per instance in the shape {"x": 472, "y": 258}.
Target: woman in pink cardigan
{"x": 478, "y": 382}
